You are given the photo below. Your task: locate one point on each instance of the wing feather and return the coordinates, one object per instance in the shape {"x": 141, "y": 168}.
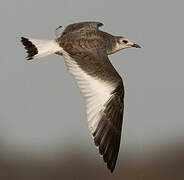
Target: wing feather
{"x": 103, "y": 91}
{"x": 59, "y": 31}
{"x": 82, "y": 26}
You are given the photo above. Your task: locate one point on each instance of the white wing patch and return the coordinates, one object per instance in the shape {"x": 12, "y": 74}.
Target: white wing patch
{"x": 95, "y": 91}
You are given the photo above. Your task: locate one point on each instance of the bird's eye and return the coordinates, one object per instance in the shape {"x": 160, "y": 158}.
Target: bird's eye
{"x": 125, "y": 41}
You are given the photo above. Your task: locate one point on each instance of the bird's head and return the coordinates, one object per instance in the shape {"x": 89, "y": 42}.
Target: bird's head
{"x": 123, "y": 43}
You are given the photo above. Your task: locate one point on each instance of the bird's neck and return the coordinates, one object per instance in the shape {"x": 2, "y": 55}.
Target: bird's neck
{"x": 112, "y": 44}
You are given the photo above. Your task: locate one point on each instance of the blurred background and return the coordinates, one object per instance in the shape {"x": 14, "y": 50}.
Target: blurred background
{"x": 43, "y": 126}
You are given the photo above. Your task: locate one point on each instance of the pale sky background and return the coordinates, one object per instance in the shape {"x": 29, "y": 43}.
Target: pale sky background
{"x": 41, "y": 109}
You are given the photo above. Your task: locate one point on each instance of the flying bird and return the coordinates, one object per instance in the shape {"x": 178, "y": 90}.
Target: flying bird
{"x": 85, "y": 49}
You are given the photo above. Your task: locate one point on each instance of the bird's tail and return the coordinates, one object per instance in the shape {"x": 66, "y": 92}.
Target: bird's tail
{"x": 37, "y": 48}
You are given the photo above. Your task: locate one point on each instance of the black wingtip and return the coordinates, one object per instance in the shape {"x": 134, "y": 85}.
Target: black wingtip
{"x": 100, "y": 24}
{"x": 112, "y": 170}
{"x": 109, "y": 147}
{"x": 30, "y": 47}
{"x": 107, "y": 134}
{"x": 58, "y": 27}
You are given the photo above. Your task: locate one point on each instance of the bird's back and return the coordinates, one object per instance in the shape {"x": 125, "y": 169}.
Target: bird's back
{"x": 87, "y": 39}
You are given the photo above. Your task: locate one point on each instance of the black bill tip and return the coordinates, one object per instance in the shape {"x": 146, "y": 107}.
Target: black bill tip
{"x": 136, "y": 45}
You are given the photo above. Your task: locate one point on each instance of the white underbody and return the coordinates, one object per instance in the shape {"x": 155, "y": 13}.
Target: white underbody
{"x": 95, "y": 91}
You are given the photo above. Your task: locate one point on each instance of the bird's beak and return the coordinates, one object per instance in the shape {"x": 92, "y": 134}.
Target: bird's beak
{"x": 136, "y": 45}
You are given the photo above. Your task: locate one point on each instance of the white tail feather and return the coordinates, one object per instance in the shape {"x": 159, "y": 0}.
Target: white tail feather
{"x": 37, "y": 48}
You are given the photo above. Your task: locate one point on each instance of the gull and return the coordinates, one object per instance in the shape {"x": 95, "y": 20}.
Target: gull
{"x": 85, "y": 49}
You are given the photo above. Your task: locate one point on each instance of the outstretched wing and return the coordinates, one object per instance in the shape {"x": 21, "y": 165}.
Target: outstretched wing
{"x": 82, "y": 26}
{"x": 103, "y": 90}
{"x": 77, "y": 27}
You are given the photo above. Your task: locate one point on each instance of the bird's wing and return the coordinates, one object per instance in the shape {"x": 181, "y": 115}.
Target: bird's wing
{"x": 103, "y": 90}
{"x": 59, "y": 31}
{"x": 82, "y": 26}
